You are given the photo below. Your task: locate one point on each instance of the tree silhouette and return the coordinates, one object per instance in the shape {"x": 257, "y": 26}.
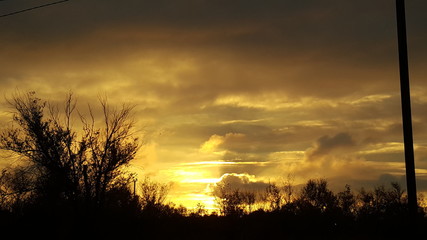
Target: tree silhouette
{"x": 288, "y": 189}
{"x": 347, "y": 201}
{"x": 317, "y": 194}
{"x": 231, "y": 201}
{"x": 382, "y": 202}
{"x": 152, "y": 197}
{"x": 63, "y": 165}
{"x": 273, "y": 196}
{"x": 15, "y": 188}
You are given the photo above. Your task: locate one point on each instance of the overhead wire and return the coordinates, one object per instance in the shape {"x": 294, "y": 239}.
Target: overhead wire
{"x": 32, "y": 8}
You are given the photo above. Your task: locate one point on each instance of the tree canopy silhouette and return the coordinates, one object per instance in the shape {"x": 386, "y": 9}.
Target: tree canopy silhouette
{"x": 62, "y": 164}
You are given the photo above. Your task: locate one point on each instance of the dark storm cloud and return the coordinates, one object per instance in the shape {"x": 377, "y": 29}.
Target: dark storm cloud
{"x": 293, "y": 19}
{"x": 255, "y": 139}
{"x": 194, "y": 14}
{"x": 241, "y": 182}
{"x": 305, "y": 39}
{"x": 262, "y": 26}
{"x": 326, "y": 144}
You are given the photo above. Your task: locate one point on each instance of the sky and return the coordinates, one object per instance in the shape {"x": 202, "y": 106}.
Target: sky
{"x": 244, "y": 92}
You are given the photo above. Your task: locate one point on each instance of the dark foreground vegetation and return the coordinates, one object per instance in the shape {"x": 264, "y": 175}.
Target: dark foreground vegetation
{"x": 316, "y": 213}
{"x": 65, "y": 185}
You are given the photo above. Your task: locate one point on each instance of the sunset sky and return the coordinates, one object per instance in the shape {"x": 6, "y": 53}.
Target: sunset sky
{"x": 241, "y": 91}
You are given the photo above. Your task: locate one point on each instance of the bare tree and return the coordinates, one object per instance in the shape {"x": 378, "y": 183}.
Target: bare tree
{"x": 108, "y": 149}
{"x": 67, "y": 166}
{"x": 273, "y": 196}
{"x": 249, "y": 199}
{"x": 232, "y": 201}
{"x": 153, "y": 193}
{"x": 152, "y": 200}
{"x": 288, "y": 188}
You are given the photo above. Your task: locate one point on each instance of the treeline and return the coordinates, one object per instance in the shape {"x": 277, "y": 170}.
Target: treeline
{"x": 316, "y": 196}
{"x": 314, "y": 211}
{"x": 310, "y": 211}
{"x": 68, "y": 184}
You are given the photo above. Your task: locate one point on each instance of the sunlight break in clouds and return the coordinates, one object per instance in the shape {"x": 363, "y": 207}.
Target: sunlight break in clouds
{"x": 212, "y": 144}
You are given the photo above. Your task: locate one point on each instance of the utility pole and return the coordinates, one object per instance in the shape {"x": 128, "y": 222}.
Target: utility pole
{"x": 406, "y": 108}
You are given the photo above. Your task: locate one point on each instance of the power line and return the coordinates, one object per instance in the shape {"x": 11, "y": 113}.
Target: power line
{"x": 32, "y": 8}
